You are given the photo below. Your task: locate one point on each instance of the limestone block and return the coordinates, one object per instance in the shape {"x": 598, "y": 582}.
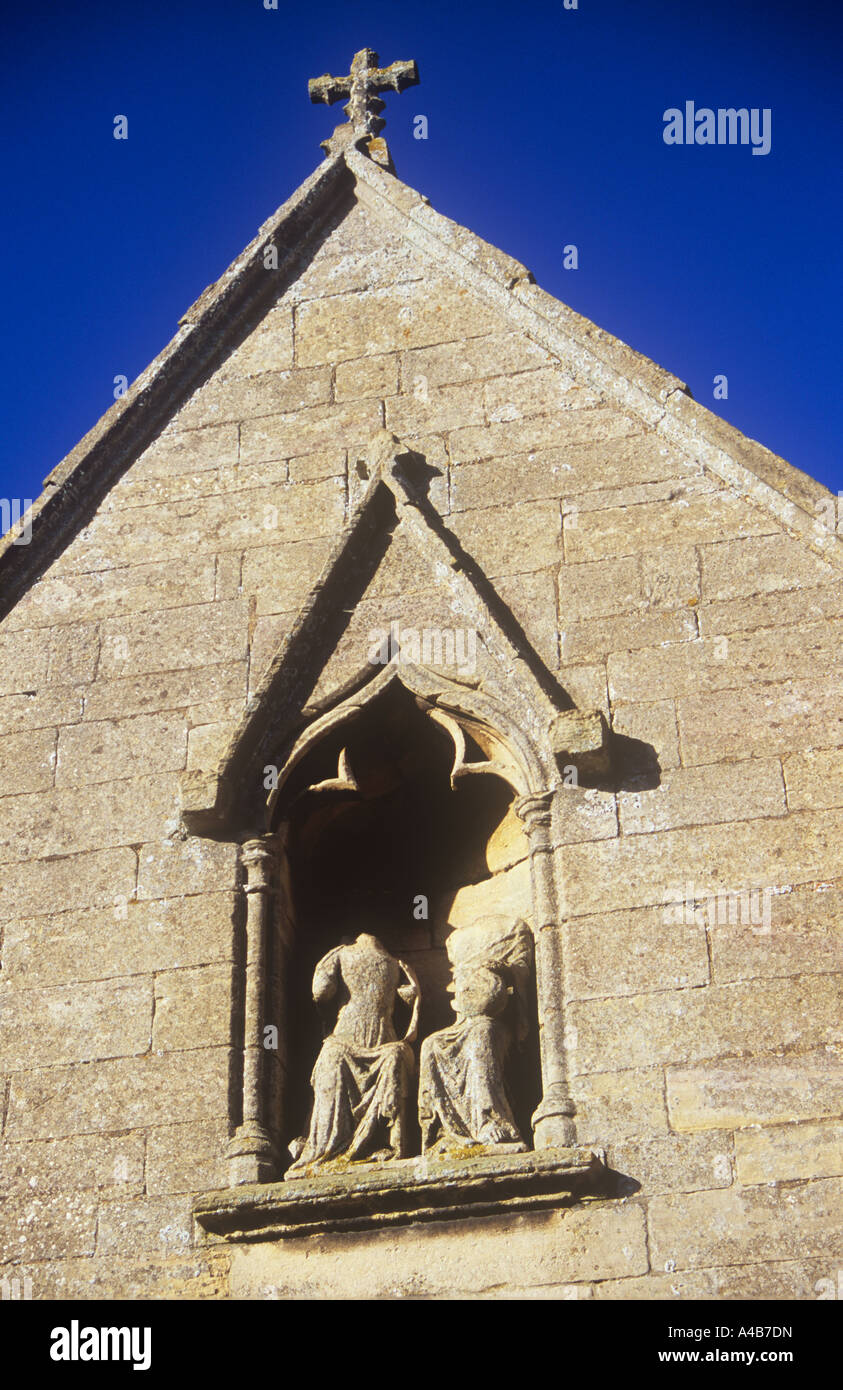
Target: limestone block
{"x": 172, "y": 868}
{"x": 521, "y": 395}
{"x": 814, "y": 780}
{"x": 367, "y": 376}
{"x": 553, "y": 433}
{"x": 130, "y": 938}
{"x": 280, "y": 577}
{"x": 415, "y": 314}
{"x": 174, "y": 639}
{"x": 349, "y": 425}
{"x": 34, "y": 709}
{"x": 75, "y": 1023}
{"x": 531, "y": 598}
{"x": 111, "y": 593}
{"x": 192, "y": 1008}
{"x": 27, "y": 761}
{"x": 759, "y": 720}
{"x": 187, "y": 1158}
{"x": 186, "y": 487}
{"x": 24, "y": 657}
{"x": 723, "y": 663}
{"x": 74, "y": 652}
{"x": 652, "y": 722}
{"x": 63, "y": 822}
{"x": 504, "y": 541}
{"x": 615, "y": 1105}
{"x": 219, "y": 683}
{"x": 781, "y": 609}
{"x": 678, "y": 1163}
{"x": 435, "y": 409}
{"x": 268, "y": 348}
{"x": 631, "y": 953}
{"x": 266, "y": 640}
{"x": 473, "y": 359}
{"x": 160, "y": 1224}
{"x": 763, "y": 1090}
{"x": 805, "y": 936}
{"x": 693, "y": 1230}
{"x": 178, "y": 1277}
{"x": 758, "y": 565}
{"x": 55, "y": 885}
{"x": 641, "y": 871}
{"x": 109, "y": 1163}
{"x": 691, "y": 1025}
{"x": 790, "y": 1152}
{"x": 618, "y": 531}
{"x": 774, "y": 1279}
{"x": 583, "y": 814}
{"x": 595, "y": 638}
{"x": 178, "y": 450}
{"x": 223, "y": 398}
{"x": 448, "y": 1260}
{"x": 35, "y": 1227}
{"x": 207, "y": 744}
{"x": 506, "y": 893}
{"x": 705, "y": 795}
{"x": 119, "y": 748}
{"x": 327, "y": 463}
{"x": 118, "y": 1093}
{"x": 666, "y": 578}
{"x": 227, "y": 576}
{"x": 586, "y": 686}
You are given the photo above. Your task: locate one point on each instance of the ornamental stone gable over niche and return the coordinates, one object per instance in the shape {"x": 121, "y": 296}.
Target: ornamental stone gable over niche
{"x": 423, "y": 872}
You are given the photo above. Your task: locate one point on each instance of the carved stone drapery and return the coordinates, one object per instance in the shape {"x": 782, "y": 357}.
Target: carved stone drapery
{"x": 553, "y": 1125}
{"x": 251, "y": 1149}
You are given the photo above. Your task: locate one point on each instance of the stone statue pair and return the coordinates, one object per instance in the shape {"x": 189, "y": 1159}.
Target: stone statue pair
{"x": 362, "y": 1077}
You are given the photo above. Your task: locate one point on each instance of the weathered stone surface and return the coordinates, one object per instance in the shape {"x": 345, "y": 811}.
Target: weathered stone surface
{"x": 790, "y": 1152}
{"x": 35, "y": 1227}
{"x": 704, "y": 796}
{"x": 690, "y": 1025}
{"x": 112, "y": 1164}
{"x": 367, "y": 376}
{"x": 76, "y": 1023}
{"x": 160, "y": 1224}
{"x": 175, "y": 867}
{"x": 814, "y": 780}
{"x": 781, "y": 609}
{"x": 632, "y": 952}
{"x": 616, "y": 531}
{"x": 652, "y": 723}
{"x": 27, "y": 761}
{"x": 41, "y": 709}
{"x": 192, "y": 1008}
{"x": 222, "y": 400}
{"x": 693, "y": 1230}
{"x": 118, "y": 748}
{"x": 55, "y": 884}
{"x": 505, "y": 542}
{"x": 425, "y": 1262}
{"x": 174, "y": 640}
{"x": 308, "y": 432}
{"x": 281, "y": 576}
{"x": 764, "y": 1090}
{"x": 438, "y": 408}
{"x": 775, "y": 1279}
{"x": 762, "y": 720}
{"x": 518, "y": 396}
{"x": 641, "y": 871}
{"x": 130, "y": 589}
{"x": 188, "y": 451}
{"x": 758, "y": 565}
{"x": 358, "y": 325}
{"x": 189, "y": 690}
{"x": 129, "y": 938}
{"x": 472, "y": 359}
{"x": 678, "y": 1163}
{"x": 595, "y": 638}
{"x": 805, "y": 936}
{"x": 117, "y": 1094}
{"x": 187, "y": 1158}
{"x": 179, "y": 1277}
{"x": 86, "y": 818}
{"x": 268, "y": 348}
{"x": 615, "y": 1105}
{"x": 662, "y": 579}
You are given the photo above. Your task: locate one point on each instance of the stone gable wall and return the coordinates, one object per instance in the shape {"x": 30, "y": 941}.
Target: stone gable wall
{"x": 705, "y": 1055}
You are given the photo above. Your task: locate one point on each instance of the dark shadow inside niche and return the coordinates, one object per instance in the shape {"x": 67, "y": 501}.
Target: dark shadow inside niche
{"x": 363, "y": 859}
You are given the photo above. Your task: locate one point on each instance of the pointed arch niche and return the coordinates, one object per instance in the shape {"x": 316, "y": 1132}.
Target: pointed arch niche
{"x": 414, "y": 801}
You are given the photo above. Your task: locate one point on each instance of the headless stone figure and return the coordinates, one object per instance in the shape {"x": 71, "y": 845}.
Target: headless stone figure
{"x": 362, "y": 1075}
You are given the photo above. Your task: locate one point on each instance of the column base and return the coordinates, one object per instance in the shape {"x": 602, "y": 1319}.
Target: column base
{"x": 251, "y": 1156}
{"x": 553, "y": 1124}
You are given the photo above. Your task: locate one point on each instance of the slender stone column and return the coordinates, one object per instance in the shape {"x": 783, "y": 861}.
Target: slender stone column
{"x": 553, "y": 1125}
{"x": 251, "y": 1150}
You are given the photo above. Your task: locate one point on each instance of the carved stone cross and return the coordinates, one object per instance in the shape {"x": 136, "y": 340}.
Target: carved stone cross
{"x": 362, "y": 86}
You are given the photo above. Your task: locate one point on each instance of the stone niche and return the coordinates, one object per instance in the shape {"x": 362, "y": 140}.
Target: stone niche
{"x": 400, "y": 1007}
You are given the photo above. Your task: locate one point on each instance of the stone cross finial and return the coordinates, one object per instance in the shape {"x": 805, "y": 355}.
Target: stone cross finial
{"x": 364, "y": 106}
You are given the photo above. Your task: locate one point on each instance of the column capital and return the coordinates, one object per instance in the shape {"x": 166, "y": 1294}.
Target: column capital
{"x": 534, "y": 809}
{"x": 259, "y": 857}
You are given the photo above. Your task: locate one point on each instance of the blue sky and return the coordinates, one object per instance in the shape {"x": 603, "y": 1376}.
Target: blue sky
{"x": 545, "y": 129}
